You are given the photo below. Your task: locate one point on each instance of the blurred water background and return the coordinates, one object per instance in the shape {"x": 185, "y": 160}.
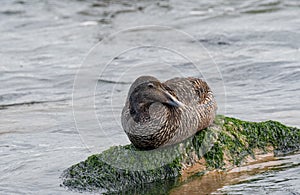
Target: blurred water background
{"x": 254, "y": 43}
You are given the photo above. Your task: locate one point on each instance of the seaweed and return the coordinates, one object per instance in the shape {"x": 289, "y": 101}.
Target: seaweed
{"x": 228, "y": 143}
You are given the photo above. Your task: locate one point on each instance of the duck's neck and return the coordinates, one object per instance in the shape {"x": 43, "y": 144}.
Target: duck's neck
{"x": 169, "y": 126}
{"x": 144, "y": 112}
{"x": 173, "y": 118}
{"x": 140, "y": 112}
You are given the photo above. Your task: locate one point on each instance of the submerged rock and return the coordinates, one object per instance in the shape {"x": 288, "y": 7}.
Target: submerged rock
{"x": 228, "y": 143}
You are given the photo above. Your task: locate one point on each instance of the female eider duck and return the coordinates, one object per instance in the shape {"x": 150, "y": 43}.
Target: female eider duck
{"x": 160, "y": 114}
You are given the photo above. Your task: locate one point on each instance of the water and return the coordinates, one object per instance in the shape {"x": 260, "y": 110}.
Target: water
{"x": 255, "y": 44}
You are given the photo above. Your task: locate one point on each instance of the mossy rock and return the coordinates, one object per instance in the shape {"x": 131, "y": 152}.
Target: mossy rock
{"x": 226, "y": 144}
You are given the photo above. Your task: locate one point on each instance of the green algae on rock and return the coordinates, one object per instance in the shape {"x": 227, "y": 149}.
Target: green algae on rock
{"x": 228, "y": 143}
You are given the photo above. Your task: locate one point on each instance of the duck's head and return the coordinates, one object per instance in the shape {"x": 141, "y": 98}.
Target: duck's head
{"x": 147, "y": 90}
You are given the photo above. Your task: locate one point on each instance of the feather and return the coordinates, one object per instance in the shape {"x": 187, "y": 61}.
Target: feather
{"x": 180, "y": 107}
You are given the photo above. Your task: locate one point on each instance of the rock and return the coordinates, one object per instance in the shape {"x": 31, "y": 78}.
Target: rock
{"x": 228, "y": 143}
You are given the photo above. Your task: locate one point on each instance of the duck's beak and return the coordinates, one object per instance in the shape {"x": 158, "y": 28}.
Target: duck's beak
{"x": 173, "y": 101}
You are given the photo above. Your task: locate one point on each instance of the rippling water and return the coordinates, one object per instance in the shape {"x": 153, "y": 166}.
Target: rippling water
{"x": 255, "y": 44}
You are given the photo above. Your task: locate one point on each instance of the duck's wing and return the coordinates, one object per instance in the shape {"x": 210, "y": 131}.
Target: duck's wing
{"x": 182, "y": 89}
{"x": 198, "y": 97}
{"x": 202, "y": 90}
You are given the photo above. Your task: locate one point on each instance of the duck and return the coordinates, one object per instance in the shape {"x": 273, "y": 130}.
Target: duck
{"x": 159, "y": 114}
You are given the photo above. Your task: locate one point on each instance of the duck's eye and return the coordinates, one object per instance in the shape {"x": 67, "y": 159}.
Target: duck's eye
{"x": 150, "y": 85}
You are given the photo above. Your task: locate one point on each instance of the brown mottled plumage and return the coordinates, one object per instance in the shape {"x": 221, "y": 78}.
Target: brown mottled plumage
{"x": 159, "y": 114}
